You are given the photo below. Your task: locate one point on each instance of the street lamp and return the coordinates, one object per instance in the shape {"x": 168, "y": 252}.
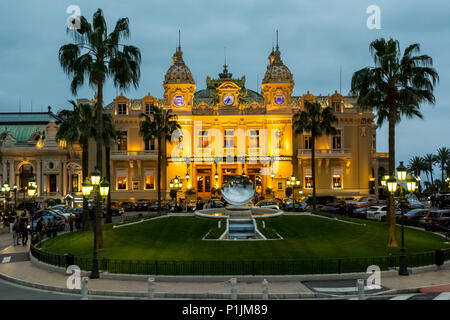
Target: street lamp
{"x": 411, "y": 183}
{"x": 101, "y": 188}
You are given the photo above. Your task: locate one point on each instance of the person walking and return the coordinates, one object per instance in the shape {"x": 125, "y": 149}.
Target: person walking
{"x": 24, "y": 232}
{"x": 16, "y": 232}
{"x": 71, "y": 220}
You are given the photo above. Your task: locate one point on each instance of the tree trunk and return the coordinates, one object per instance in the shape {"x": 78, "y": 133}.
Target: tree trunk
{"x": 85, "y": 174}
{"x": 108, "y": 177}
{"x": 313, "y": 166}
{"x": 159, "y": 174}
{"x": 392, "y": 242}
{"x": 99, "y": 140}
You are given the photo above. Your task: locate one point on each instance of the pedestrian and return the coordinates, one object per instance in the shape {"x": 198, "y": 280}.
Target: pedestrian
{"x": 71, "y": 220}
{"x": 78, "y": 221}
{"x": 16, "y": 232}
{"x": 39, "y": 227}
{"x": 24, "y": 232}
{"x": 49, "y": 227}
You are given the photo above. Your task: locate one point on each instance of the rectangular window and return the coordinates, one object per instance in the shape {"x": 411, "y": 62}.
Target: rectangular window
{"x": 337, "y": 138}
{"x": 135, "y": 185}
{"x": 121, "y": 178}
{"x": 336, "y": 105}
{"x": 308, "y": 182}
{"x": 203, "y": 140}
{"x": 337, "y": 181}
{"x": 122, "y": 108}
{"x": 254, "y": 139}
{"x": 122, "y": 141}
{"x": 337, "y": 178}
{"x": 307, "y": 142}
{"x": 52, "y": 183}
{"x": 229, "y": 138}
{"x": 149, "y": 179}
{"x": 75, "y": 183}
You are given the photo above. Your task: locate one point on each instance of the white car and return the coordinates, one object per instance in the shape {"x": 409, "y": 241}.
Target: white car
{"x": 268, "y": 204}
{"x": 378, "y": 213}
{"x": 362, "y": 202}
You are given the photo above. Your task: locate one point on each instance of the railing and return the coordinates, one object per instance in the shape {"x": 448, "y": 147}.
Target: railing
{"x": 243, "y": 267}
{"x": 325, "y": 152}
{"x": 134, "y": 153}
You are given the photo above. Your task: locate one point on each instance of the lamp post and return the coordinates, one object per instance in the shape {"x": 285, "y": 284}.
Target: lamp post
{"x": 176, "y": 184}
{"x": 31, "y": 193}
{"x": 101, "y": 189}
{"x": 15, "y": 198}
{"x": 392, "y": 185}
{"x": 5, "y": 189}
{"x": 294, "y": 183}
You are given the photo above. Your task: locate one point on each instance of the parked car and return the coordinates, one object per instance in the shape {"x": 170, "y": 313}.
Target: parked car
{"x": 413, "y": 202}
{"x": 268, "y": 204}
{"x": 154, "y": 206}
{"x": 60, "y": 224}
{"x": 141, "y": 205}
{"x": 292, "y": 205}
{"x": 360, "y": 213}
{"x": 443, "y": 201}
{"x": 438, "y": 220}
{"x": 191, "y": 205}
{"x": 321, "y": 200}
{"x": 414, "y": 217}
{"x": 115, "y": 211}
{"x": 127, "y": 206}
{"x": 214, "y": 203}
{"x": 376, "y": 213}
{"x": 363, "y": 202}
{"x": 61, "y": 209}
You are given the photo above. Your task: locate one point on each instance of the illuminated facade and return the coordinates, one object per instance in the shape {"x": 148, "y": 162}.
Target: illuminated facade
{"x": 228, "y": 129}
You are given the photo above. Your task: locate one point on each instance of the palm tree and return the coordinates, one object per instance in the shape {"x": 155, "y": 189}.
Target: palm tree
{"x": 429, "y": 160}
{"x": 160, "y": 125}
{"x": 394, "y": 87}
{"x": 416, "y": 165}
{"x": 317, "y": 121}
{"x": 98, "y": 55}
{"x": 442, "y": 158}
{"x": 76, "y": 126}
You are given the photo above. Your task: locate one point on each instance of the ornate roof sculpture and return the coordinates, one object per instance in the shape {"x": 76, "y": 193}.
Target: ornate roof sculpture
{"x": 277, "y": 72}
{"x": 178, "y": 72}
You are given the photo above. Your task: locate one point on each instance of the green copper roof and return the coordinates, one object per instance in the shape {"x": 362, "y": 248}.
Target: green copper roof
{"x": 21, "y": 133}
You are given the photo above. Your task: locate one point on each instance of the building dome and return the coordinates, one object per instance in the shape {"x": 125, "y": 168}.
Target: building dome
{"x": 276, "y": 70}
{"x": 178, "y": 72}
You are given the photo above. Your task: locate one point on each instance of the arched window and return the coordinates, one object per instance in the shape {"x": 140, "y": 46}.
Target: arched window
{"x": 25, "y": 173}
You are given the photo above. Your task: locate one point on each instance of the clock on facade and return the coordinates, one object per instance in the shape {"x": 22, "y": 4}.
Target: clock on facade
{"x": 228, "y": 100}
{"x": 178, "y": 100}
{"x": 279, "y": 99}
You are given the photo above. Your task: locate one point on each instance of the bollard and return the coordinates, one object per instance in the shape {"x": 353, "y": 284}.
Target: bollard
{"x": 265, "y": 290}
{"x": 264, "y": 224}
{"x": 233, "y": 289}
{"x": 84, "y": 288}
{"x": 151, "y": 288}
{"x": 360, "y": 285}
{"x": 219, "y": 224}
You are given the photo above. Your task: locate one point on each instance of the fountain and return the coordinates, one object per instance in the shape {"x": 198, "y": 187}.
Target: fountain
{"x": 238, "y": 190}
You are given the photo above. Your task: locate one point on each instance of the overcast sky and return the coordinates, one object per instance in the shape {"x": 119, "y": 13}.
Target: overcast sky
{"x": 315, "y": 39}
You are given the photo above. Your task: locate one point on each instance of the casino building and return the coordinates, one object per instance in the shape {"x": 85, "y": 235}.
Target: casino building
{"x": 228, "y": 129}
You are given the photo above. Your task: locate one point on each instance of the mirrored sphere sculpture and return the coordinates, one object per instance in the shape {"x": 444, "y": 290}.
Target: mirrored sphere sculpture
{"x": 238, "y": 190}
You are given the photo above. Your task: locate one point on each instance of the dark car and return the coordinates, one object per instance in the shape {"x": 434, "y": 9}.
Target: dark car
{"x": 175, "y": 206}
{"x": 60, "y": 224}
{"x": 414, "y": 217}
{"x": 292, "y": 205}
{"x": 141, "y": 205}
{"x": 443, "y": 201}
{"x": 155, "y": 207}
{"x": 321, "y": 200}
{"x": 127, "y": 206}
{"x": 115, "y": 211}
{"x": 438, "y": 220}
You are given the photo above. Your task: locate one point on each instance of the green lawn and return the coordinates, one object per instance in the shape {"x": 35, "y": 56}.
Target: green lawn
{"x": 179, "y": 238}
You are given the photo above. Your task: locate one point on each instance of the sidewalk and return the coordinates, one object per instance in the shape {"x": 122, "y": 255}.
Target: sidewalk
{"x": 28, "y": 274}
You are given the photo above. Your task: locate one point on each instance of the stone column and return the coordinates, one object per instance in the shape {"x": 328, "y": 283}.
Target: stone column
{"x": 38, "y": 178}
{"x": 70, "y": 189}
{"x": 5, "y": 172}
{"x": 64, "y": 178}
{"x": 11, "y": 173}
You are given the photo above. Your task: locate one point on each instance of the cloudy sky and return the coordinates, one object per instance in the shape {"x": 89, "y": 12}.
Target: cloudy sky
{"x": 315, "y": 39}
